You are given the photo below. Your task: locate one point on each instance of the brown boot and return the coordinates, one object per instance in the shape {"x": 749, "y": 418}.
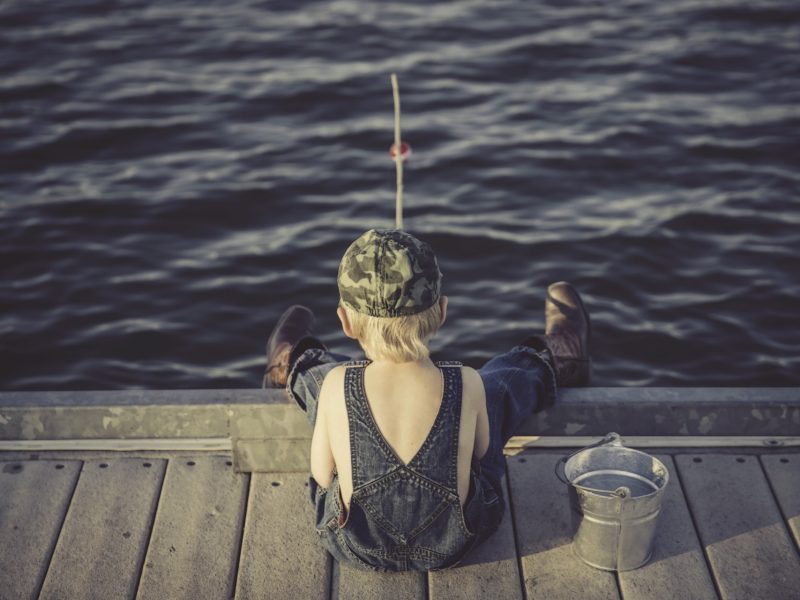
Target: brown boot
{"x": 567, "y": 332}
{"x": 295, "y": 324}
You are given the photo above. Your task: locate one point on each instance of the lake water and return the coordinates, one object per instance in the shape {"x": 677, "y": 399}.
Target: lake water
{"x": 174, "y": 174}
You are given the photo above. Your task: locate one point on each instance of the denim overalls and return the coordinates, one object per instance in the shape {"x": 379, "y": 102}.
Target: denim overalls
{"x": 408, "y": 516}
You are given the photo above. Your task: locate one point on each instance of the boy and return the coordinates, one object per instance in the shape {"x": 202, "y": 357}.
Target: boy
{"x": 406, "y": 454}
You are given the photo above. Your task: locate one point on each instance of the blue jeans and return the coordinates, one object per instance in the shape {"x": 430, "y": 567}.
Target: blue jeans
{"x": 517, "y": 383}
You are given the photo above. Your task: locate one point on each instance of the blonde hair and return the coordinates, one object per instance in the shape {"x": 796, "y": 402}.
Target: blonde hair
{"x": 395, "y": 339}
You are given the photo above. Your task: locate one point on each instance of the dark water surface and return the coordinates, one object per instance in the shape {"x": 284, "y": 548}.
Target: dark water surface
{"x": 173, "y": 174}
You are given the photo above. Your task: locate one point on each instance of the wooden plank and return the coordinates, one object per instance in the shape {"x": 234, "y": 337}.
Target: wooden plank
{"x": 351, "y": 583}
{"x": 119, "y": 445}
{"x": 490, "y": 571}
{"x": 194, "y": 547}
{"x": 670, "y": 442}
{"x": 783, "y": 472}
{"x": 34, "y": 497}
{"x": 746, "y": 541}
{"x": 677, "y": 568}
{"x": 542, "y": 520}
{"x": 99, "y": 553}
{"x": 281, "y": 556}
{"x": 267, "y": 455}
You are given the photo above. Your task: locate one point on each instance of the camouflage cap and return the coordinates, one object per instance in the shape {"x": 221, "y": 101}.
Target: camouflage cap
{"x": 389, "y": 273}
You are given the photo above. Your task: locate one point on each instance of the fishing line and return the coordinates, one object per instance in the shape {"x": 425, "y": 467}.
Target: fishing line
{"x": 399, "y": 152}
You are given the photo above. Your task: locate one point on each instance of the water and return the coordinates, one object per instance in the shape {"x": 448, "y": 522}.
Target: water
{"x": 609, "y": 480}
{"x": 173, "y": 174}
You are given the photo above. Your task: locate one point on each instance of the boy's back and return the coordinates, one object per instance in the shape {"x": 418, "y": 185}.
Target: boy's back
{"x": 404, "y": 400}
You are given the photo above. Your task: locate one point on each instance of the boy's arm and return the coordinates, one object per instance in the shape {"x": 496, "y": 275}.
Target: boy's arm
{"x": 322, "y": 463}
{"x": 477, "y": 395}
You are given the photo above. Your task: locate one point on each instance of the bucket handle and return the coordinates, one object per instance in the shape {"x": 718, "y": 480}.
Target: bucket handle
{"x": 610, "y": 439}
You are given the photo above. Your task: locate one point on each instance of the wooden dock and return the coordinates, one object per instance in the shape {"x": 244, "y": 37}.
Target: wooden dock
{"x": 170, "y": 525}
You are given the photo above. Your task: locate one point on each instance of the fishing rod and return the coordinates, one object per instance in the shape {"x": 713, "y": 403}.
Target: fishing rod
{"x": 399, "y": 151}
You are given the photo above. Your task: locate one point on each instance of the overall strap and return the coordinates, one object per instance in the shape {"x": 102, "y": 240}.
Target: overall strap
{"x": 438, "y": 457}
{"x": 370, "y": 455}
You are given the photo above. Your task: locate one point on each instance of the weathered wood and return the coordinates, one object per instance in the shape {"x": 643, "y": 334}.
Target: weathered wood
{"x": 194, "y": 547}
{"x": 664, "y": 442}
{"x": 542, "y": 520}
{"x": 746, "y": 541}
{"x": 102, "y": 543}
{"x": 269, "y": 455}
{"x": 30, "y": 520}
{"x": 351, "y": 583}
{"x": 783, "y": 471}
{"x": 281, "y": 556}
{"x": 108, "y": 445}
{"x": 677, "y": 568}
{"x": 490, "y": 571}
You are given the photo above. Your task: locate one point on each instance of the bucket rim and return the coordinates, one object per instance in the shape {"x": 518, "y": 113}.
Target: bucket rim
{"x": 610, "y": 440}
{"x": 614, "y": 494}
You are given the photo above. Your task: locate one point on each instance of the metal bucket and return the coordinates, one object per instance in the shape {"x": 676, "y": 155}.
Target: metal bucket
{"x": 615, "y": 494}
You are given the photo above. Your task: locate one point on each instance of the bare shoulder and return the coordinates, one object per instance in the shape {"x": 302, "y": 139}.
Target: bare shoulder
{"x": 332, "y": 389}
{"x": 473, "y": 386}
{"x": 336, "y": 374}
{"x": 471, "y": 377}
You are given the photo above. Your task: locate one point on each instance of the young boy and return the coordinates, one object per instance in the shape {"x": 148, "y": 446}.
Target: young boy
{"x": 407, "y": 454}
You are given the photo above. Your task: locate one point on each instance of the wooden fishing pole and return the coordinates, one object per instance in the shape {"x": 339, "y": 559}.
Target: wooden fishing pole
{"x": 398, "y": 155}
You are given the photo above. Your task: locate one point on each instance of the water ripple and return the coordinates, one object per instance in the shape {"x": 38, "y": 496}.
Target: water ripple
{"x": 173, "y": 175}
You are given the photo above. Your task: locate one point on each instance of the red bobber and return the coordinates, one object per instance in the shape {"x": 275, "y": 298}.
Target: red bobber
{"x": 405, "y": 151}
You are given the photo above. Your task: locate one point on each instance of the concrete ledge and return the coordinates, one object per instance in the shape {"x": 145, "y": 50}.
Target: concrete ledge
{"x": 104, "y": 398}
{"x": 261, "y": 414}
{"x": 171, "y": 414}
{"x": 670, "y": 411}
